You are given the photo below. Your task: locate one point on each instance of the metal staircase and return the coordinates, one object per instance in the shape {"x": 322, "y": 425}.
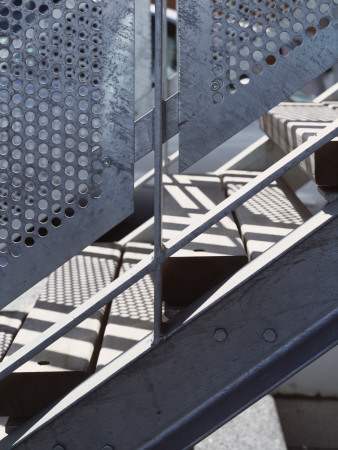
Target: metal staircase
{"x": 213, "y": 358}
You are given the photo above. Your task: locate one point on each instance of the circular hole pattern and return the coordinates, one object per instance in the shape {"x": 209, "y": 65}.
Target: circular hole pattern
{"x": 275, "y": 28}
{"x": 50, "y": 106}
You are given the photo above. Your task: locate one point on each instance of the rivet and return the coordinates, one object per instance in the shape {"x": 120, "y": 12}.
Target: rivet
{"x": 58, "y": 447}
{"x": 269, "y": 335}
{"x": 107, "y": 447}
{"x": 220, "y": 335}
{"x": 106, "y": 162}
{"x": 214, "y": 86}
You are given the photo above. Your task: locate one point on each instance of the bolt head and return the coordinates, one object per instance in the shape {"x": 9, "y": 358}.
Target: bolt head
{"x": 106, "y": 162}
{"x": 269, "y": 335}
{"x": 215, "y": 85}
{"x": 220, "y": 335}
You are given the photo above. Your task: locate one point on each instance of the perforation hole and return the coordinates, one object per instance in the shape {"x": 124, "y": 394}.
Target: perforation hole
{"x": 244, "y": 79}
{"x": 29, "y": 241}
{"x": 271, "y": 60}
{"x": 311, "y": 18}
{"x": 257, "y": 69}
{"x": 69, "y": 212}
{"x": 231, "y": 88}
{"x": 244, "y": 22}
{"x": 56, "y": 222}
{"x": 42, "y": 232}
{"x": 311, "y": 31}
{"x": 297, "y": 41}
{"x": 284, "y": 50}
{"x": 324, "y": 22}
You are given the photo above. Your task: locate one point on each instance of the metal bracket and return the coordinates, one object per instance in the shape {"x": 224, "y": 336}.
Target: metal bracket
{"x": 144, "y": 127}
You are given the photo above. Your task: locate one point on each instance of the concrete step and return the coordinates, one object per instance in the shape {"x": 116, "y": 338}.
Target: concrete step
{"x": 258, "y": 427}
{"x": 309, "y": 423}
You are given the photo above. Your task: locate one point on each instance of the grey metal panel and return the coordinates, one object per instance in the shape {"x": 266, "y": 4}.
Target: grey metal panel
{"x": 144, "y": 127}
{"x": 228, "y": 354}
{"x": 239, "y": 59}
{"x": 143, "y": 59}
{"x": 67, "y": 132}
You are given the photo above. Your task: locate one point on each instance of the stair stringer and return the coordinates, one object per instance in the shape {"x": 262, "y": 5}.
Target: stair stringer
{"x": 268, "y": 321}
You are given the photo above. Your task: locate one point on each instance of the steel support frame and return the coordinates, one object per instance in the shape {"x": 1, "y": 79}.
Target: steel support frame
{"x": 237, "y": 346}
{"x": 149, "y": 263}
{"x": 298, "y": 349}
{"x": 160, "y": 39}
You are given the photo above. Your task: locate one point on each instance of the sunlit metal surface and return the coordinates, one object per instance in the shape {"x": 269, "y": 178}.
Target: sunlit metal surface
{"x": 66, "y": 118}
{"x": 239, "y": 59}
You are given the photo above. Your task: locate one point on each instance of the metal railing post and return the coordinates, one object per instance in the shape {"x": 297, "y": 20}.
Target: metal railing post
{"x": 160, "y": 12}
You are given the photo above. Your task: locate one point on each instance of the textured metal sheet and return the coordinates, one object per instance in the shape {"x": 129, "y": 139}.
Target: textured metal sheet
{"x": 66, "y": 131}
{"x": 144, "y": 139}
{"x": 143, "y": 59}
{"x": 238, "y": 59}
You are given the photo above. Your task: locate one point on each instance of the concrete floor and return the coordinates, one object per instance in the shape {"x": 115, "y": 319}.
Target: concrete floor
{"x": 309, "y": 423}
{"x": 256, "y": 428}
{"x": 292, "y": 422}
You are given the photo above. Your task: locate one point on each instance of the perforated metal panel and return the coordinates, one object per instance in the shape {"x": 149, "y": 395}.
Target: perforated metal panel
{"x": 66, "y": 131}
{"x": 239, "y": 58}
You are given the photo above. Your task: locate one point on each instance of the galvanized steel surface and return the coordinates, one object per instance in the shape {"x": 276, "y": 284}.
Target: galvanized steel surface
{"x": 207, "y": 115}
{"x": 238, "y": 59}
{"x": 160, "y": 17}
{"x": 66, "y": 118}
{"x": 192, "y": 383}
{"x": 144, "y": 139}
{"x": 148, "y": 264}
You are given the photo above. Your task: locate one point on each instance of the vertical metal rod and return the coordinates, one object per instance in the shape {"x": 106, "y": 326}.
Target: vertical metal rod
{"x": 165, "y": 72}
{"x": 158, "y": 158}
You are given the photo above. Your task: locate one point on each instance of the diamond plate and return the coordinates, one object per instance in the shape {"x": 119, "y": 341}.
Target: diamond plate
{"x": 238, "y": 59}
{"x": 66, "y": 131}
